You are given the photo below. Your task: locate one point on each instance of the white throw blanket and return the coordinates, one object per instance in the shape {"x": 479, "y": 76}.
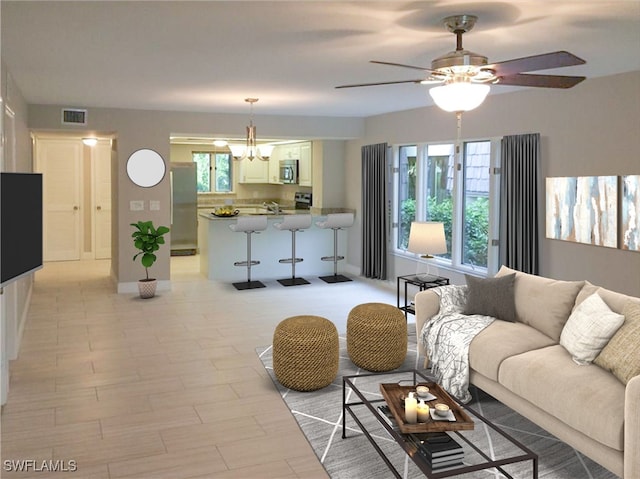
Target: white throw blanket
{"x": 447, "y": 336}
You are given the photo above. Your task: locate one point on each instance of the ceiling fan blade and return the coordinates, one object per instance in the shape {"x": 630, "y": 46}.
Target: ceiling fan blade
{"x": 544, "y": 81}
{"x": 536, "y": 62}
{"x": 381, "y": 83}
{"x": 401, "y": 65}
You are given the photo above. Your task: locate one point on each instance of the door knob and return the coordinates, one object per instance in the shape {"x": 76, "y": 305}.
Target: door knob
{"x": 99, "y": 208}
{"x": 75, "y": 208}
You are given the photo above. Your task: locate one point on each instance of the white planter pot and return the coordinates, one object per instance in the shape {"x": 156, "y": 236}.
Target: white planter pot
{"x": 147, "y": 288}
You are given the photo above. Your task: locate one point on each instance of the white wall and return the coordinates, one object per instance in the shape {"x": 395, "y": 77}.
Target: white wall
{"x": 591, "y": 129}
{"x": 16, "y": 157}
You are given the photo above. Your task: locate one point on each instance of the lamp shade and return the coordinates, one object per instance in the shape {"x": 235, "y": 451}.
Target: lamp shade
{"x": 427, "y": 237}
{"x": 265, "y": 150}
{"x": 459, "y": 96}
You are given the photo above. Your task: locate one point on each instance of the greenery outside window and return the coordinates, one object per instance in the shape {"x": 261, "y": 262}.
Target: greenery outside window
{"x": 429, "y": 186}
{"x": 213, "y": 172}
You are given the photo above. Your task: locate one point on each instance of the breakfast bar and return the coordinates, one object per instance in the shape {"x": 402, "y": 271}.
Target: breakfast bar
{"x": 220, "y": 247}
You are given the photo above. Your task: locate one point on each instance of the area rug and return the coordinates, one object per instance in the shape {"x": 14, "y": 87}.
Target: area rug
{"x": 319, "y": 415}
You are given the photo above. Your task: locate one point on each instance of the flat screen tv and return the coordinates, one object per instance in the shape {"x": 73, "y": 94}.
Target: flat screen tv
{"x": 20, "y": 225}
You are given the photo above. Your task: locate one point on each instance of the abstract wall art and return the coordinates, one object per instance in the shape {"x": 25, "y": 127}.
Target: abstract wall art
{"x": 583, "y": 209}
{"x": 630, "y": 211}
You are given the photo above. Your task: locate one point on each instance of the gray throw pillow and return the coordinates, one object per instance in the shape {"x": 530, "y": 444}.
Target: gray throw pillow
{"x": 491, "y": 297}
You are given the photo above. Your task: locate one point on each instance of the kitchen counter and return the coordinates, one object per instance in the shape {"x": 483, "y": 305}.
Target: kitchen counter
{"x": 220, "y": 248}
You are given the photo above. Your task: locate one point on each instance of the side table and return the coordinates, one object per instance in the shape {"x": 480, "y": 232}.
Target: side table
{"x": 422, "y": 284}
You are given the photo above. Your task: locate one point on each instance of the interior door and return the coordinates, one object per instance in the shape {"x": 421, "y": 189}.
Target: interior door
{"x": 101, "y": 161}
{"x": 60, "y": 161}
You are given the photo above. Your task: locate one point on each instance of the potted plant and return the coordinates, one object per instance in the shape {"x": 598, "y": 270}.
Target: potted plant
{"x": 147, "y": 239}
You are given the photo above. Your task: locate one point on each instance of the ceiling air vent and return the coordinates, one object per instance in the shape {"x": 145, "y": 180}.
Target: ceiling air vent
{"x": 74, "y": 116}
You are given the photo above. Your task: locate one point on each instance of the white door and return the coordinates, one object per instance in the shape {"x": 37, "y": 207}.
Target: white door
{"x": 59, "y": 161}
{"x": 101, "y": 161}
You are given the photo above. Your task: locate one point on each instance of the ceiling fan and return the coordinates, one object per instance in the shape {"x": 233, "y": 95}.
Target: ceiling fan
{"x": 462, "y": 73}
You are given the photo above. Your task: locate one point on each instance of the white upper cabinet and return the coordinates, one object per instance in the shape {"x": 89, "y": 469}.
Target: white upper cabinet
{"x": 255, "y": 171}
{"x": 304, "y": 165}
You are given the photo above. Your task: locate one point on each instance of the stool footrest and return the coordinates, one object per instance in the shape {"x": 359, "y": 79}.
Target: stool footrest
{"x": 289, "y": 260}
{"x": 332, "y": 258}
{"x": 246, "y": 263}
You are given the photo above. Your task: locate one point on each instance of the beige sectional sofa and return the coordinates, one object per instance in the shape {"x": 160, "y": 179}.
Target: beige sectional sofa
{"x": 523, "y": 365}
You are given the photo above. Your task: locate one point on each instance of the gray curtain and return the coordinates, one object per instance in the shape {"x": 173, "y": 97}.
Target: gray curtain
{"x": 519, "y": 215}
{"x": 374, "y": 217}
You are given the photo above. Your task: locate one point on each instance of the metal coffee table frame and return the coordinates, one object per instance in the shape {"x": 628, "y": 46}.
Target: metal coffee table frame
{"x": 371, "y": 404}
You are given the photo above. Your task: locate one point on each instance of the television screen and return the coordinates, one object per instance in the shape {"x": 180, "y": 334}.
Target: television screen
{"x": 20, "y": 225}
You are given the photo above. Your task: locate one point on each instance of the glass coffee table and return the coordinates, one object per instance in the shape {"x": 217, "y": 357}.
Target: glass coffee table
{"x": 486, "y": 446}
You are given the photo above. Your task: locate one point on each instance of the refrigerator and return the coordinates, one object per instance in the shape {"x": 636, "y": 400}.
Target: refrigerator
{"x": 184, "y": 209}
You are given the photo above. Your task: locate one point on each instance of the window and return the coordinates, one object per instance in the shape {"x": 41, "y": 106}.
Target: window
{"x": 430, "y": 187}
{"x": 221, "y": 168}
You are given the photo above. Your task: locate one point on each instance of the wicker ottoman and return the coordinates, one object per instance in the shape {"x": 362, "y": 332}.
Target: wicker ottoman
{"x": 305, "y": 352}
{"x": 377, "y": 337}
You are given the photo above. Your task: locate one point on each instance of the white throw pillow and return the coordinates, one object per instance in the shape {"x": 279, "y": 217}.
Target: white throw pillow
{"x": 589, "y": 329}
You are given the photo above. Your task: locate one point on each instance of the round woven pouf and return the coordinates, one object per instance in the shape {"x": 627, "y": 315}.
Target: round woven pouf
{"x": 305, "y": 352}
{"x": 377, "y": 337}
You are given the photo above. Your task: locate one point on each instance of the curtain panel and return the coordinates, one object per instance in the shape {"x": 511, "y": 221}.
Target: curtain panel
{"x": 374, "y": 217}
{"x": 519, "y": 212}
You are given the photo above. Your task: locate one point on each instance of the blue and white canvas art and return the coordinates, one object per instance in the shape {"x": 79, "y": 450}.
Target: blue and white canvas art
{"x": 630, "y": 212}
{"x": 583, "y": 209}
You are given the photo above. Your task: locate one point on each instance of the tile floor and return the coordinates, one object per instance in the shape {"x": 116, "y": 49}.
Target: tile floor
{"x": 169, "y": 387}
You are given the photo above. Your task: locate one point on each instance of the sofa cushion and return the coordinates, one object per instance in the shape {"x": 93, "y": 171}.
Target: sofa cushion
{"x": 589, "y": 329}
{"x": 543, "y": 303}
{"x": 616, "y": 301}
{"x": 621, "y": 355}
{"x": 576, "y": 395}
{"x": 501, "y": 340}
{"x": 491, "y": 297}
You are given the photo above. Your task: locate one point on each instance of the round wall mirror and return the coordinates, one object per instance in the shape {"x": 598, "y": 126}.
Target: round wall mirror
{"x": 146, "y": 168}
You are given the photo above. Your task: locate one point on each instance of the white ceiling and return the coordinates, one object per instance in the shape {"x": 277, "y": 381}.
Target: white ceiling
{"x": 209, "y": 56}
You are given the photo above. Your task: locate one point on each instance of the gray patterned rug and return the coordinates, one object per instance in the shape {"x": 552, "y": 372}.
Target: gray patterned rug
{"x": 319, "y": 415}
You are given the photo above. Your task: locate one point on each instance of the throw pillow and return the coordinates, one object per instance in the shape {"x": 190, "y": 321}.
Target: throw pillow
{"x": 589, "y": 329}
{"x": 621, "y": 355}
{"x": 491, "y": 297}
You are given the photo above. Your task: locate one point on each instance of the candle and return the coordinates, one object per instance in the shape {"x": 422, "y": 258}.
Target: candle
{"x": 411, "y": 409}
{"x": 423, "y": 411}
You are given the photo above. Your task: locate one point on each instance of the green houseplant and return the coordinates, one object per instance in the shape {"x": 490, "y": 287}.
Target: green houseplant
{"x": 147, "y": 239}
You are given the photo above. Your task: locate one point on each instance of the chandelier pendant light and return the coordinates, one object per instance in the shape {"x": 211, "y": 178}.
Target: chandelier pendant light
{"x": 251, "y": 150}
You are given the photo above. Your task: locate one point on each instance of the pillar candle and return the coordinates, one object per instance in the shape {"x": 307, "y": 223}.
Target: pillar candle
{"x": 411, "y": 409}
{"x": 423, "y": 411}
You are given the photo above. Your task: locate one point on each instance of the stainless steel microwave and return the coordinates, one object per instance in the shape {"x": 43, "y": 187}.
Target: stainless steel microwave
{"x": 289, "y": 171}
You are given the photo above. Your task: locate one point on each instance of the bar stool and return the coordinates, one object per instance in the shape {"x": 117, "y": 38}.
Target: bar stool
{"x": 335, "y": 221}
{"x": 293, "y": 223}
{"x": 248, "y": 225}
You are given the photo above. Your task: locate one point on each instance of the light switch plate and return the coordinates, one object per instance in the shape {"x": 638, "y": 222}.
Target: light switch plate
{"x": 136, "y": 205}
{"x": 154, "y": 205}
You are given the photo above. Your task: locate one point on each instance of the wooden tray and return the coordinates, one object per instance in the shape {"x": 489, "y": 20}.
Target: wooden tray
{"x": 394, "y": 394}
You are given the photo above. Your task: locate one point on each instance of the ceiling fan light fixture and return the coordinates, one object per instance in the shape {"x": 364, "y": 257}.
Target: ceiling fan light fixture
{"x": 459, "y": 96}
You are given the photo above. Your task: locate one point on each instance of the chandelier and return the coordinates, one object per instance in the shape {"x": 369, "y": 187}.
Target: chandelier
{"x": 251, "y": 150}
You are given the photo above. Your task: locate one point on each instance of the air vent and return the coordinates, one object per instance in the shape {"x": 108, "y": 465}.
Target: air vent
{"x": 73, "y": 116}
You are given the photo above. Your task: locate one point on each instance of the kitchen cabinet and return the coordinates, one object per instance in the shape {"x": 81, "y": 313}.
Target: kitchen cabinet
{"x": 274, "y": 166}
{"x": 255, "y": 171}
{"x": 304, "y": 165}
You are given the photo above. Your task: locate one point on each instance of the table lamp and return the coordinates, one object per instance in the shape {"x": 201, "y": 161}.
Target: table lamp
{"x": 427, "y": 238}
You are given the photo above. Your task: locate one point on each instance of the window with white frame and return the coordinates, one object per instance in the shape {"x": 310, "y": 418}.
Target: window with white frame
{"x": 430, "y": 186}
{"x": 213, "y": 172}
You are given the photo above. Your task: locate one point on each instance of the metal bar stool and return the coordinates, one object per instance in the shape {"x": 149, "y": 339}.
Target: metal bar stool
{"x": 293, "y": 223}
{"x": 249, "y": 225}
{"x": 335, "y": 221}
